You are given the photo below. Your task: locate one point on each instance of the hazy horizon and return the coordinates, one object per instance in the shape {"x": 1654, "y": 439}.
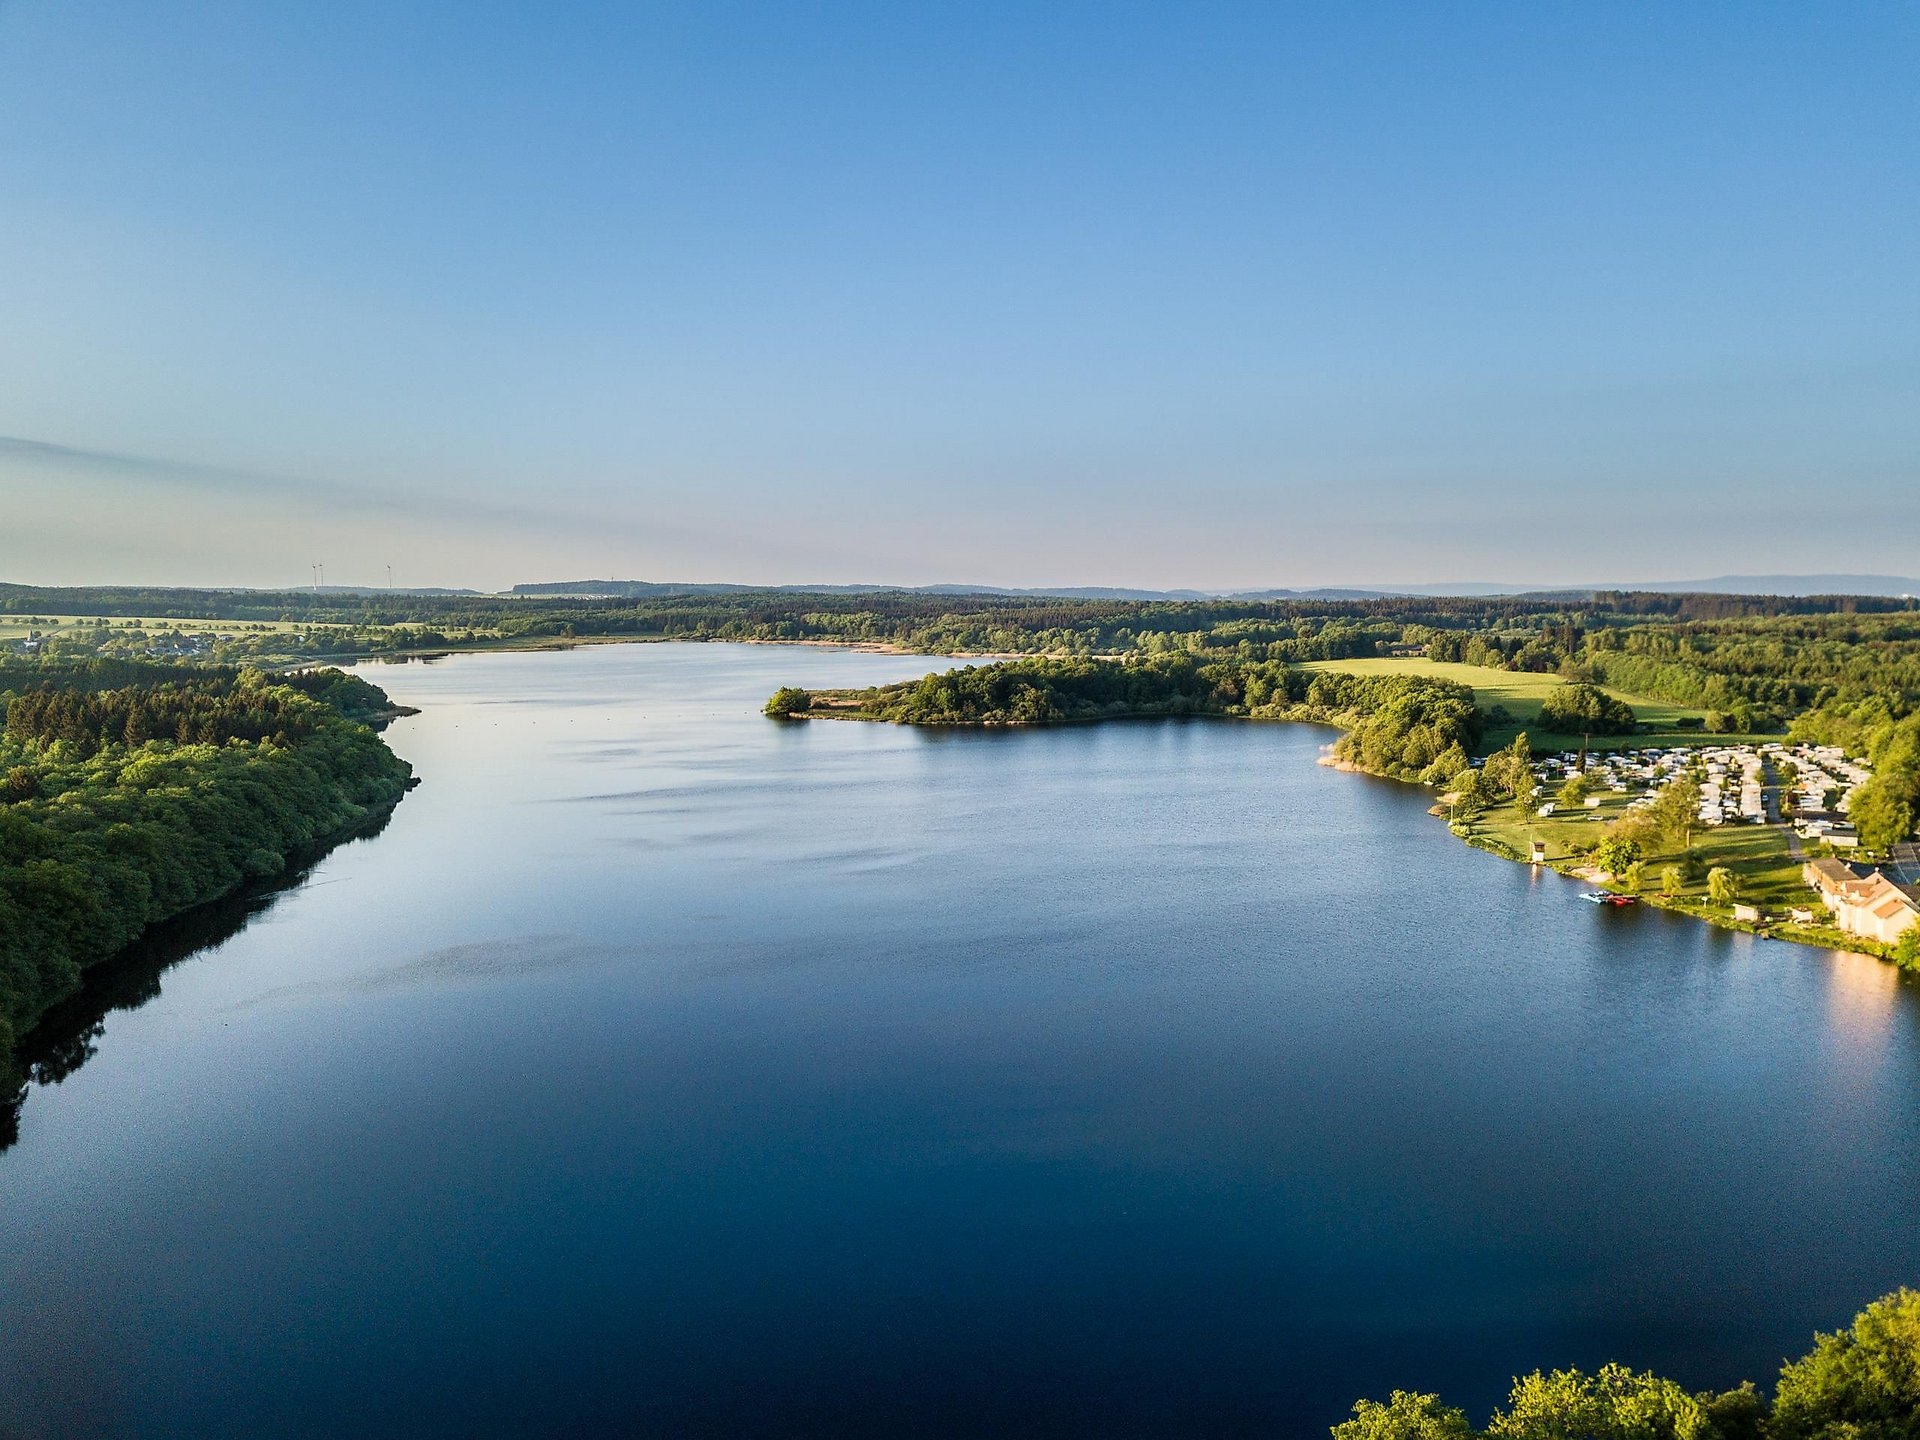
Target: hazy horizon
{"x": 1150, "y": 298}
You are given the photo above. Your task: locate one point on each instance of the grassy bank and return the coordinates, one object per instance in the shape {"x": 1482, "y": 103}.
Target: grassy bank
{"x": 1760, "y": 857}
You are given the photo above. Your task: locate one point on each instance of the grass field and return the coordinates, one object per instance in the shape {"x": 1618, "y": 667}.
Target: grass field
{"x": 1521, "y": 695}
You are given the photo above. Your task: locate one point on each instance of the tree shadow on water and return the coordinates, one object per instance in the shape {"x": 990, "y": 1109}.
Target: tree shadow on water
{"x": 66, "y": 1035}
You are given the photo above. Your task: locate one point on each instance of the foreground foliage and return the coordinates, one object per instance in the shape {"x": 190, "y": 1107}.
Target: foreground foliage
{"x": 1862, "y": 1383}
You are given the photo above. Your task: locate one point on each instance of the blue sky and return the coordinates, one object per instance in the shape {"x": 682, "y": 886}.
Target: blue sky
{"x": 1209, "y": 295}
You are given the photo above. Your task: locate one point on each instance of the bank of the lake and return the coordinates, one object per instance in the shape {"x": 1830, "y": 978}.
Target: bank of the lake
{"x": 131, "y": 794}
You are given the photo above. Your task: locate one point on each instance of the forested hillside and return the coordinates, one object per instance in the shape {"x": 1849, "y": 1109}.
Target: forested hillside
{"x": 129, "y": 794}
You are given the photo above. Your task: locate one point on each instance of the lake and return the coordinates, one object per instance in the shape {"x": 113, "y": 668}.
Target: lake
{"x": 660, "y": 1068}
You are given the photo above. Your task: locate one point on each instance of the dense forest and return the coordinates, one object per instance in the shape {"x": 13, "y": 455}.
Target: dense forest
{"x": 1861, "y": 1383}
{"x": 130, "y": 794}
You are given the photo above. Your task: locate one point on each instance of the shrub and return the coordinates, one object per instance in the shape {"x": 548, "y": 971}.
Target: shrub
{"x": 1404, "y": 1417}
{"x": 1906, "y": 951}
{"x": 788, "y": 701}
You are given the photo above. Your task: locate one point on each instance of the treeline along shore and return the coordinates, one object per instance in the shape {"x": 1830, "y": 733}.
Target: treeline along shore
{"x": 132, "y": 792}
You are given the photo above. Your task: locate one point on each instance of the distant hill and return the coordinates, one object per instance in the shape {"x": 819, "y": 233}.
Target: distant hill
{"x": 1878, "y": 585}
{"x": 1787, "y": 585}
{"x": 358, "y": 590}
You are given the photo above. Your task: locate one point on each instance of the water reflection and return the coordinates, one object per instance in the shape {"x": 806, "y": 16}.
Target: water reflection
{"x": 66, "y": 1036}
{"x": 1862, "y": 993}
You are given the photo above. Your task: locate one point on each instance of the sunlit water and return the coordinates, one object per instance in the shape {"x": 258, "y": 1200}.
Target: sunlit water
{"x": 664, "y": 1069}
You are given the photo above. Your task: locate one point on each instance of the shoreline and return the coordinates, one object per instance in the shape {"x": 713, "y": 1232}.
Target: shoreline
{"x": 1813, "y": 937}
{"x": 293, "y": 865}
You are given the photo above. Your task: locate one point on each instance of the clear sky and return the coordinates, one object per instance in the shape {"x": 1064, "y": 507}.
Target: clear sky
{"x": 1186, "y": 294}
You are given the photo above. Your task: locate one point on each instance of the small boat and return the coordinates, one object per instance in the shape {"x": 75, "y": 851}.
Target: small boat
{"x": 1606, "y": 897}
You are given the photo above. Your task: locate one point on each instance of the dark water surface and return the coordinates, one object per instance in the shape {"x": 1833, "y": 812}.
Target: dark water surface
{"x": 661, "y": 1069}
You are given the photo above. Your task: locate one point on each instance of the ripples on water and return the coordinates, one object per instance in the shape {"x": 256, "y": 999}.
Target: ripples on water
{"x": 662, "y": 1068}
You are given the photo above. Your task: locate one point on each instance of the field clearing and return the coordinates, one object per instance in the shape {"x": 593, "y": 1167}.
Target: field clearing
{"x": 1521, "y": 695}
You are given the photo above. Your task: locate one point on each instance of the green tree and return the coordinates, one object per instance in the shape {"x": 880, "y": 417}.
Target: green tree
{"x": 1723, "y": 886}
{"x": 1634, "y": 877}
{"x": 1674, "y": 812}
{"x": 788, "y": 701}
{"x": 1615, "y": 855}
{"x": 1906, "y": 950}
{"x": 1404, "y": 1417}
{"x": 1585, "y": 710}
{"x": 1574, "y": 793}
{"x": 1862, "y": 1383}
{"x": 1736, "y": 1414}
{"x": 1882, "y": 812}
{"x": 1471, "y": 792}
{"x": 1672, "y": 881}
{"x": 1510, "y": 771}
{"x": 1615, "y": 1404}
{"x": 1447, "y": 766}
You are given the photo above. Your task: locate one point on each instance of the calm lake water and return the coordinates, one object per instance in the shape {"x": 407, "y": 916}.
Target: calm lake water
{"x": 663, "y": 1069}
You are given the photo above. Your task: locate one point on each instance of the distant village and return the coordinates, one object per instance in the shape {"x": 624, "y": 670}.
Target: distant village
{"x": 170, "y": 645}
